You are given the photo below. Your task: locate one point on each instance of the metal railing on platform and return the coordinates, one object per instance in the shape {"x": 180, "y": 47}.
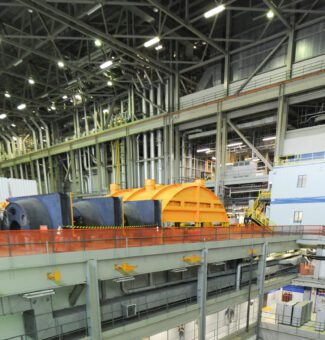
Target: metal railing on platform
{"x": 254, "y": 84}
{"x": 32, "y": 242}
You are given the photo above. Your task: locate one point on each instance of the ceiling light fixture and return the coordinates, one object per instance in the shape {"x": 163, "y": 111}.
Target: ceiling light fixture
{"x": 106, "y": 64}
{"x": 61, "y": 64}
{"x": 13, "y": 125}
{"x": 7, "y": 94}
{"x": 159, "y": 47}
{"x": 94, "y": 9}
{"x": 19, "y": 61}
{"x": 203, "y": 150}
{"x": 151, "y": 42}
{"x": 31, "y": 81}
{"x": 270, "y": 14}
{"x": 53, "y": 106}
{"x": 21, "y": 106}
{"x": 65, "y": 97}
{"x": 213, "y": 158}
{"x": 98, "y": 42}
{"x": 234, "y": 144}
{"x": 109, "y": 83}
{"x": 14, "y": 138}
{"x": 214, "y": 11}
{"x": 78, "y": 97}
{"x": 3, "y": 116}
{"x": 265, "y": 139}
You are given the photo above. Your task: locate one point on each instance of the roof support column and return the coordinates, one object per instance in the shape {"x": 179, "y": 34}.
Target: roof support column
{"x": 226, "y": 71}
{"x": 282, "y": 119}
{"x": 202, "y": 294}
{"x": 260, "y": 283}
{"x": 224, "y": 141}
{"x": 290, "y": 53}
{"x": 176, "y": 161}
{"x": 218, "y": 150}
{"x": 171, "y": 151}
{"x": 93, "y": 311}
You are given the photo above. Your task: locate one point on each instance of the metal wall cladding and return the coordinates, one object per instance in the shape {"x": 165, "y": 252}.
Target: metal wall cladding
{"x": 4, "y": 189}
{"x": 22, "y": 187}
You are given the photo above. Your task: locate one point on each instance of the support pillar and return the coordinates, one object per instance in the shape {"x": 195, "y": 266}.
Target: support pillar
{"x": 218, "y": 151}
{"x": 226, "y": 72}
{"x": 93, "y": 310}
{"x": 202, "y": 294}
{"x": 73, "y": 171}
{"x": 282, "y": 119}
{"x": 52, "y": 183}
{"x": 176, "y": 161}
{"x": 260, "y": 284}
{"x": 224, "y": 141}
{"x": 99, "y": 167}
{"x": 171, "y": 152}
{"x": 166, "y": 172}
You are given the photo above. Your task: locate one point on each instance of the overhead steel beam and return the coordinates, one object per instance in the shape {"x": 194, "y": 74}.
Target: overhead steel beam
{"x": 187, "y": 25}
{"x": 82, "y": 27}
{"x": 262, "y": 64}
{"x": 250, "y": 145}
{"x": 248, "y": 46}
{"x": 275, "y": 9}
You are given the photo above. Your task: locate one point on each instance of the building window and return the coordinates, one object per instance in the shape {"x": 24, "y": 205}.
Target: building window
{"x": 302, "y": 179}
{"x": 297, "y": 217}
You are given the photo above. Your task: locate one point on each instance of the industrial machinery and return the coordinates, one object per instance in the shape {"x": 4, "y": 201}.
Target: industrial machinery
{"x": 258, "y": 211}
{"x": 153, "y": 205}
{"x": 31, "y": 212}
{"x": 180, "y": 203}
{"x": 99, "y": 211}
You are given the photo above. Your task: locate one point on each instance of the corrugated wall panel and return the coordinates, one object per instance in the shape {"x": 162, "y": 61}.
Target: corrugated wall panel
{"x": 22, "y": 187}
{"x": 4, "y": 189}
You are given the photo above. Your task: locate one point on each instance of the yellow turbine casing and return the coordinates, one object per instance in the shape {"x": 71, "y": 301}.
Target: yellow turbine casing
{"x": 187, "y": 202}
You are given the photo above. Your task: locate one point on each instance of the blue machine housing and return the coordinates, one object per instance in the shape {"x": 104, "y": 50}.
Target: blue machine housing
{"x": 99, "y": 211}
{"x": 146, "y": 212}
{"x": 30, "y": 212}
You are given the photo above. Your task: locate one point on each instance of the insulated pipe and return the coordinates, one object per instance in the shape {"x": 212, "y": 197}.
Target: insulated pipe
{"x": 159, "y": 137}
{"x": 44, "y": 161}
{"x": 145, "y": 140}
{"x": 39, "y": 132}
{"x": 145, "y": 156}
{"x": 81, "y": 172}
{"x": 86, "y": 121}
{"x": 90, "y": 187}
{"x": 33, "y": 133}
{"x": 189, "y": 175}
{"x": 47, "y": 133}
{"x": 9, "y": 151}
{"x": 152, "y": 136}
{"x": 159, "y": 143}
{"x": 138, "y": 161}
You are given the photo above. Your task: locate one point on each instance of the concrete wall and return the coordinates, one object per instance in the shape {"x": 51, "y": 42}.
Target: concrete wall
{"x": 11, "y": 325}
{"x": 217, "y": 325}
{"x": 286, "y": 197}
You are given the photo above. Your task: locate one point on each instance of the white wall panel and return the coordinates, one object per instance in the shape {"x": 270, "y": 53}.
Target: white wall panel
{"x": 22, "y": 187}
{"x": 286, "y": 197}
{"x": 4, "y": 189}
{"x": 306, "y": 140}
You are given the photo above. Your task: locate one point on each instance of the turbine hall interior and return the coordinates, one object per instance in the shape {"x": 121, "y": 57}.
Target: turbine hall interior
{"x": 162, "y": 170}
